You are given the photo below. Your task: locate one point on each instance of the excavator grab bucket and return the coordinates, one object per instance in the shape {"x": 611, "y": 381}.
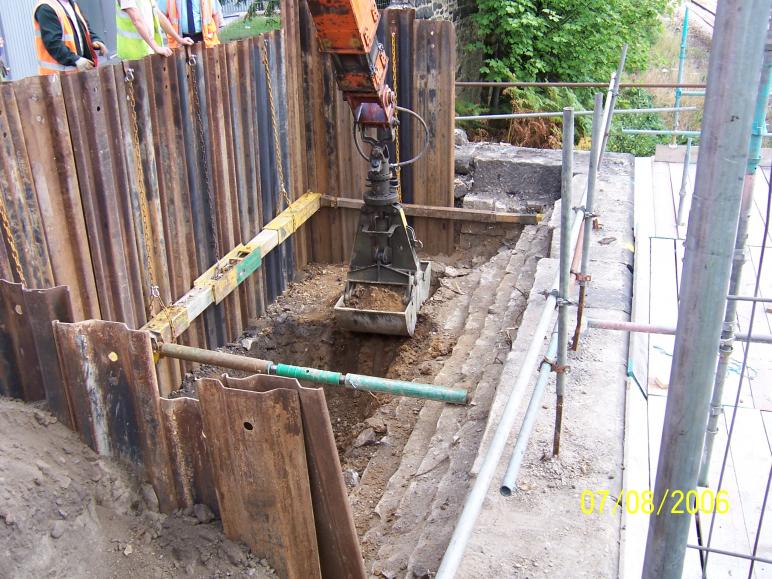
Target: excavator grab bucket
{"x": 384, "y": 308}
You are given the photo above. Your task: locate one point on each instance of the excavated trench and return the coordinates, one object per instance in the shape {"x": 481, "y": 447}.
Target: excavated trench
{"x": 372, "y": 430}
{"x": 405, "y": 461}
{"x": 300, "y": 329}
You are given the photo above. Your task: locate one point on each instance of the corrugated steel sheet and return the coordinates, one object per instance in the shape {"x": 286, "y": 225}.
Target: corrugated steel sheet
{"x": 70, "y": 180}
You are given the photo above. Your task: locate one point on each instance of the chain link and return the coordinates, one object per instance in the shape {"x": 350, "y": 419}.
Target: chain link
{"x": 394, "y": 76}
{"x": 192, "y": 62}
{"x": 11, "y": 241}
{"x": 274, "y": 122}
{"x": 155, "y": 291}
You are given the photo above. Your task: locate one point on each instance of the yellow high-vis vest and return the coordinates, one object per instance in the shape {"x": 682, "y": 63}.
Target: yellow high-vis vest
{"x": 47, "y": 64}
{"x": 131, "y": 45}
{"x": 208, "y": 25}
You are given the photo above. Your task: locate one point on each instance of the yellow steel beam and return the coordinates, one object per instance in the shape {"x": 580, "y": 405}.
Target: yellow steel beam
{"x": 228, "y": 273}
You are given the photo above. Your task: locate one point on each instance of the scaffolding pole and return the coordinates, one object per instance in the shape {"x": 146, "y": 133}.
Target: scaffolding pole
{"x": 681, "y": 67}
{"x": 735, "y": 61}
{"x": 564, "y": 298}
{"x": 583, "y": 277}
{"x": 726, "y": 346}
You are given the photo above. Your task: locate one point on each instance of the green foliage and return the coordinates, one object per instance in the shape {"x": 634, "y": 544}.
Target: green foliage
{"x": 638, "y": 145}
{"x": 552, "y": 99}
{"x": 572, "y": 40}
{"x": 248, "y": 27}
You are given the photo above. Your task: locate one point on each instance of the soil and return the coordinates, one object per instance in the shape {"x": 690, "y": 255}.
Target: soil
{"x": 299, "y": 328}
{"x": 67, "y": 512}
{"x": 373, "y": 297}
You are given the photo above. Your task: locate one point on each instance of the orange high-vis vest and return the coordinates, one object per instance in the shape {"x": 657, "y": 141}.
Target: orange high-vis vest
{"x": 208, "y": 25}
{"x": 47, "y": 64}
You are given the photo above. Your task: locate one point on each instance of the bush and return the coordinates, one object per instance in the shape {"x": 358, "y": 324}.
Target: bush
{"x": 564, "y": 39}
{"x": 638, "y": 145}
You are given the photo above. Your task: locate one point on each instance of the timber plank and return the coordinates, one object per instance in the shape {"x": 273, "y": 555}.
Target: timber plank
{"x": 639, "y": 342}
{"x": 434, "y": 78}
{"x": 758, "y": 213}
{"x": 664, "y": 210}
{"x": 730, "y": 531}
{"x": 752, "y": 461}
{"x": 256, "y": 447}
{"x": 635, "y": 475}
{"x": 663, "y": 310}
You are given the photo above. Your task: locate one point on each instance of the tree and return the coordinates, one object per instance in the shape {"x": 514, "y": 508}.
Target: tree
{"x": 255, "y": 7}
{"x": 569, "y": 40}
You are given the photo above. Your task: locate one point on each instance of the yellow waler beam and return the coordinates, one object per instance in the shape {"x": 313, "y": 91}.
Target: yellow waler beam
{"x": 226, "y": 275}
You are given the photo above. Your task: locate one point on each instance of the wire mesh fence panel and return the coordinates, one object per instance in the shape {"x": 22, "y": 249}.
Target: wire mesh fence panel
{"x": 233, "y": 7}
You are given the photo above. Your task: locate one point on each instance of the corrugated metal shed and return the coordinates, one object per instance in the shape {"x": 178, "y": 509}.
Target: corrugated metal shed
{"x": 19, "y": 38}
{"x": 17, "y": 24}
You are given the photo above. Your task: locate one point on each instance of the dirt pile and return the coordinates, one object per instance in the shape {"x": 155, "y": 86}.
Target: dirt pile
{"x": 378, "y": 298}
{"x": 67, "y": 512}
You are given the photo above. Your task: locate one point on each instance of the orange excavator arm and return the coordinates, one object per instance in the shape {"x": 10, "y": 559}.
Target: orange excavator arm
{"x": 347, "y": 32}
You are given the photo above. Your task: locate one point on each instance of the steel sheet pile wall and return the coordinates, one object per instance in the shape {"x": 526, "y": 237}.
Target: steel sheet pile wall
{"x": 69, "y": 180}
{"x": 331, "y": 164}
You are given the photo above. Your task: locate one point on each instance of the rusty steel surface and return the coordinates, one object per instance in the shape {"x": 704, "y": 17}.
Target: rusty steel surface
{"x": 110, "y": 377}
{"x": 70, "y": 180}
{"x": 191, "y": 468}
{"x": 339, "y": 552}
{"x": 29, "y": 368}
{"x": 18, "y": 190}
{"x": 46, "y": 130}
{"x": 256, "y": 446}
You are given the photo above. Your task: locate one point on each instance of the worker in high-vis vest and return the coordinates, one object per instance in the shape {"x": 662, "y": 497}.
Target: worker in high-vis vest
{"x": 139, "y": 24}
{"x": 64, "y": 40}
{"x": 199, "y": 20}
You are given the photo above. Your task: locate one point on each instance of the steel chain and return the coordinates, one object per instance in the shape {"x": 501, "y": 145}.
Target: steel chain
{"x": 192, "y": 62}
{"x": 11, "y": 241}
{"x": 155, "y": 291}
{"x": 394, "y": 76}
{"x": 275, "y": 124}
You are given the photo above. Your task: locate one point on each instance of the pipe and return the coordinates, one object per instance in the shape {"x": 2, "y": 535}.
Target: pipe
{"x": 592, "y": 174}
{"x": 735, "y": 61}
{"x": 726, "y": 346}
{"x": 612, "y": 107}
{"x": 749, "y": 299}
{"x": 483, "y": 83}
{"x": 664, "y": 330}
{"x": 692, "y": 93}
{"x": 474, "y": 501}
{"x": 524, "y": 436}
{"x": 352, "y": 381}
{"x": 730, "y": 553}
{"x": 660, "y": 132}
{"x": 566, "y": 199}
{"x": 538, "y": 115}
{"x": 681, "y": 66}
{"x": 684, "y": 181}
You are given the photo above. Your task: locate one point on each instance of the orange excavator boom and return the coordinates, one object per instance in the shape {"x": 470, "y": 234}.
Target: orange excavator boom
{"x": 346, "y": 30}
